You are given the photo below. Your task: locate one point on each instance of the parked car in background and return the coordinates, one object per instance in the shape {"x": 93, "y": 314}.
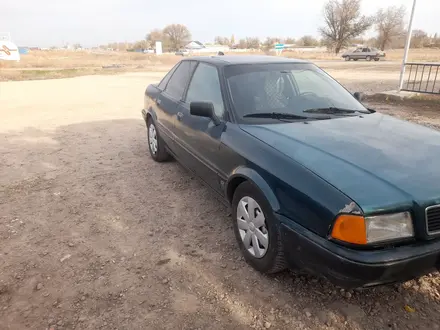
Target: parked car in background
{"x": 182, "y": 52}
{"x": 315, "y": 179}
{"x": 364, "y": 53}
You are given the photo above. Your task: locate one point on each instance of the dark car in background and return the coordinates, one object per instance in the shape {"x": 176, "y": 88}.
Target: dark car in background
{"x": 315, "y": 179}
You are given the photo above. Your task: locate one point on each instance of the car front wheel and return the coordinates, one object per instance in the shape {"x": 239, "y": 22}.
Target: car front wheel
{"x": 347, "y": 58}
{"x": 155, "y": 143}
{"x": 368, "y": 58}
{"x": 257, "y": 230}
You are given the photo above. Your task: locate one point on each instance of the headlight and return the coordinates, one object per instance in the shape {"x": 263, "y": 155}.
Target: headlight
{"x": 389, "y": 227}
{"x": 359, "y": 230}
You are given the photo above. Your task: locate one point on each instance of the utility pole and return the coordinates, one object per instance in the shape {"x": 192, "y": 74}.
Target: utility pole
{"x": 407, "y": 45}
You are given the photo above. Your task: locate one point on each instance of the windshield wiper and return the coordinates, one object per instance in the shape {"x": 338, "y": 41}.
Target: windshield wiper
{"x": 279, "y": 115}
{"x": 333, "y": 111}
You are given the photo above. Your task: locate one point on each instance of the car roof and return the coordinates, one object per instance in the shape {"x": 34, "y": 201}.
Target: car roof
{"x": 225, "y": 60}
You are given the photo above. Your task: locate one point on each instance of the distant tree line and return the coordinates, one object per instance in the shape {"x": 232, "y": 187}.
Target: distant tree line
{"x": 173, "y": 37}
{"x": 268, "y": 43}
{"x": 344, "y": 24}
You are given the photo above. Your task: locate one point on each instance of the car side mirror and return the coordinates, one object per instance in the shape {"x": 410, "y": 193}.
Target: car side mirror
{"x": 358, "y": 96}
{"x": 204, "y": 109}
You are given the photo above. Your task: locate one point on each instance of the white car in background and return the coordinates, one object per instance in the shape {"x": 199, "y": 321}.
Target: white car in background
{"x": 364, "y": 53}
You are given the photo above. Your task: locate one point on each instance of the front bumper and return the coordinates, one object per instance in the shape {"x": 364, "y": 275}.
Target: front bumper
{"x": 351, "y": 268}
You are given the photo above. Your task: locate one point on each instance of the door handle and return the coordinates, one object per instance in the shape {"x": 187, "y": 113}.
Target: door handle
{"x": 158, "y": 101}
{"x": 179, "y": 116}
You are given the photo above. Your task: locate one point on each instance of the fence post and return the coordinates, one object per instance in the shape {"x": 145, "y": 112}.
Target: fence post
{"x": 407, "y": 45}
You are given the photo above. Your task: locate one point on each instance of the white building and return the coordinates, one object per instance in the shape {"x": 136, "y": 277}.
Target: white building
{"x": 194, "y": 45}
{"x": 8, "y": 50}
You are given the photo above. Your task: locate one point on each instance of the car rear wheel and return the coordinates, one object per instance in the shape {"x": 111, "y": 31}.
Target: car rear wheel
{"x": 368, "y": 58}
{"x": 257, "y": 230}
{"x": 155, "y": 143}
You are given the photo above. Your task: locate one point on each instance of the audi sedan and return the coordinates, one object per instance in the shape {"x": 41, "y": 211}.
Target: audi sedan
{"x": 315, "y": 179}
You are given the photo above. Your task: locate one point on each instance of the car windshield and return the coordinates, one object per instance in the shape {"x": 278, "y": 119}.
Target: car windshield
{"x": 298, "y": 89}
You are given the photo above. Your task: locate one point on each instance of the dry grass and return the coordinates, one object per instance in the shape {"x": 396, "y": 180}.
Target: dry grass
{"x": 59, "y": 64}
{"x": 62, "y": 64}
{"x": 417, "y": 55}
{"x": 83, "y": 59}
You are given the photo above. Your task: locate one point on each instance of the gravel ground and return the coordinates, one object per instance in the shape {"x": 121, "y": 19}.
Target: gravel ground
{"x": 95, "y": 235}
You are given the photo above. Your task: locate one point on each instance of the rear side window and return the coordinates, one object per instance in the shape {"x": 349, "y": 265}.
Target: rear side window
{"x": 205, "y": 86}
{"x": 177, "y": 84}
{"x": 167, "y": 77}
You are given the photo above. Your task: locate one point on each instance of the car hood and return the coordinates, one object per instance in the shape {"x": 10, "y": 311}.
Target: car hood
{"x": 377, "y": 160}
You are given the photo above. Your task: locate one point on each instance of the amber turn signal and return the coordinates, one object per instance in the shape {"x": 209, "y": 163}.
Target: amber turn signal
{"x": 350, "y": 228}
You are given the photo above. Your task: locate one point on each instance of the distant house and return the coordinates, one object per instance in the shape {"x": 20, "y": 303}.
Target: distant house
{"x": 195, "y": 45}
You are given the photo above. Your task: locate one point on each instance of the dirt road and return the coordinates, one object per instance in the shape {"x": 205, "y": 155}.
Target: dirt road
{"x": 95, "y": 235}
{"x": 361, "y": 76}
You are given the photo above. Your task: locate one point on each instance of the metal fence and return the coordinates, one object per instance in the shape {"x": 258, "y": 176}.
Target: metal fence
{"x": 422, "y": 78}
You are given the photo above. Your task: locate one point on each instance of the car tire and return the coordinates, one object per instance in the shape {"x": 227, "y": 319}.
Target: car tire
{"x": 355, "y": 59}
{"x": 347, "y": 58}
{"x": 377, "y": 59}
{"x": 156, "y": 145}
{"x": 368, "y": 58}
{"x": 259, "y": 229}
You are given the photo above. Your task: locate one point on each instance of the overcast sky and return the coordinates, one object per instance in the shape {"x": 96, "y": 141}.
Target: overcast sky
{"x": 47, "y": 23}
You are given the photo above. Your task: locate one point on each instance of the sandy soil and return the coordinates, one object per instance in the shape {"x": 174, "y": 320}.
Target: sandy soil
{"x": 95, "y": 235}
